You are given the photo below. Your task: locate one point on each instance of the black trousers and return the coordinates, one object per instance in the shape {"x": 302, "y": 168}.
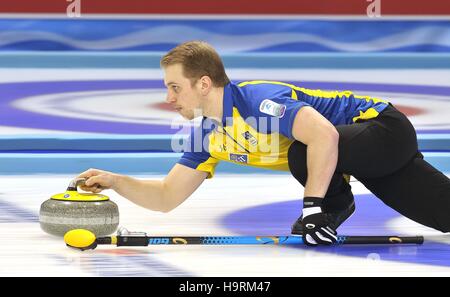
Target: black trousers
{"x": 382, "y": 153}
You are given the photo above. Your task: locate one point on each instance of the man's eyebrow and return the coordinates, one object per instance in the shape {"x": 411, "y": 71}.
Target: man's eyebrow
{"x": 171, "y": 83}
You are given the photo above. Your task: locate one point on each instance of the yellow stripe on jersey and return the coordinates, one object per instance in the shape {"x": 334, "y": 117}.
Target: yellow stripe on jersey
{"x": 364, "y": 115}
{"x": 315, "y": 93}
{"x": 257, "y": 82}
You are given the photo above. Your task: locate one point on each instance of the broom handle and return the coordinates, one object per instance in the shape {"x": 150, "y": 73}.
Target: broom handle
{"x": 235, "y": 240}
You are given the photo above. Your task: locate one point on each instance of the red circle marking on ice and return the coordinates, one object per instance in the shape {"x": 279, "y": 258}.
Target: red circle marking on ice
{"x": 410, "y": 111}
{"x": 162, "y": 106}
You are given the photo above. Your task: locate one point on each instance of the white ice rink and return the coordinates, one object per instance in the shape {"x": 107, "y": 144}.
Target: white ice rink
{"x": 225, "y": 205}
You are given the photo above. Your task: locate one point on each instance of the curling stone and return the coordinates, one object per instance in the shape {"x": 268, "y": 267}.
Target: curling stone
{"x": 73, "y": 210}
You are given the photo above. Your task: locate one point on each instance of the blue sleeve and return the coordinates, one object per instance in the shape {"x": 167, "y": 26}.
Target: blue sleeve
{"x": 196, "y": 156}
{"x": 280, "y": 113}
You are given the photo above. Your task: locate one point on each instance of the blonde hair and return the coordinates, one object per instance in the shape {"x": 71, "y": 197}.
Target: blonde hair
{"x": 198, "y": 59}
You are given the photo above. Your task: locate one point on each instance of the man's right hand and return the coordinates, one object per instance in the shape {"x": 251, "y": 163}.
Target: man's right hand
{"x": 315, "y": 223}
{"x": 98, "y": 180}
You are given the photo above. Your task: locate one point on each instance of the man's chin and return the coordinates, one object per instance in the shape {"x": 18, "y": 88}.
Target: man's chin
{"x": 190, "y": 117}
{"x": 187, "y": 117}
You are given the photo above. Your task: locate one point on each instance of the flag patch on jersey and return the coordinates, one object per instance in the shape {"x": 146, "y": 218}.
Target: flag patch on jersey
{"x": 239, "y": 158}
{"x": 272, "y": 108}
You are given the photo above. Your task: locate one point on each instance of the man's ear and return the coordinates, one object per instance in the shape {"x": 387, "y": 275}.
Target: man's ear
{"x": 205, "y": 85}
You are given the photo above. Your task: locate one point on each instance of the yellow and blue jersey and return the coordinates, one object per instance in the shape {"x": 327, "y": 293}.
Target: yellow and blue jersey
{"x": 256, "y": 127}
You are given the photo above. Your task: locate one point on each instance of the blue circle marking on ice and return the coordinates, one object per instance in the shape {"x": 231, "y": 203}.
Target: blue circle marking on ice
{"x": 370, "y": 218}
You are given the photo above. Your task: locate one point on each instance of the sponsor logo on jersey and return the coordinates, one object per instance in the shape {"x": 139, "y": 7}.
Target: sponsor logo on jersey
{"x": 239, "y": 158}
{"x": 272, "y": 108}
{"x": 250, "y": 138}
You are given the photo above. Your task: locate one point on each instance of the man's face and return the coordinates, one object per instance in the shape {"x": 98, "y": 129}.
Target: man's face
{"x": 181, "y": 95}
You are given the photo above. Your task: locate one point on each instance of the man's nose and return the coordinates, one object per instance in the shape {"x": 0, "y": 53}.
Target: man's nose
{"x": 170, "y": 98}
